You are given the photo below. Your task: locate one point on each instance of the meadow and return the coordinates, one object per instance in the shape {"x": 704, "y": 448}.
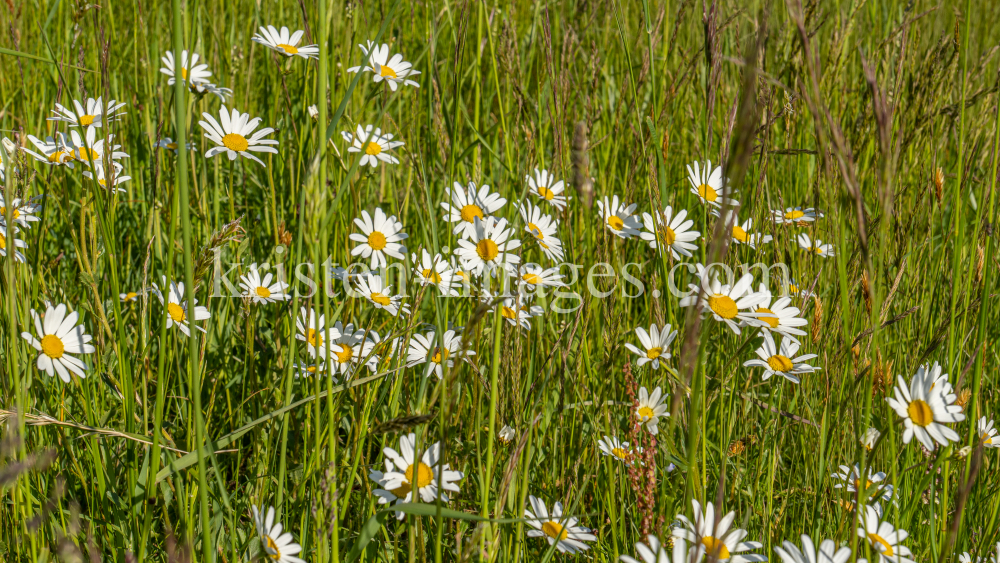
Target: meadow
{"x": 659, "y": 281}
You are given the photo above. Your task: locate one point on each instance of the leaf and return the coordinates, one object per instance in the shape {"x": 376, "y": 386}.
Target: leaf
{"x": 14, "y": 53}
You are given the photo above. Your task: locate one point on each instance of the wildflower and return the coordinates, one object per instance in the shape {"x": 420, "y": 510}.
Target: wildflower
{"x": 372, "y": 288}
{"x": 170, "y": 144}
{"x": 795, "y": 215}
{"x": 670, "y": 231}
{"x": 262, "y": 290}
{"x": 870, "y": 437}
{"x": 656, "y": 552}
{"x": 613, "y": 447}
{"x": 544, "y": 186}
{"x": 655, "y": 345}
{"x": 884, "y": 538}
{"x": 534, "y": 276}
{"x": 987, "y": 433}
{"x": 781, "y": 360}
{"x": 828, "y": 552}
{"x": 94, "y": 114}
{"x": 231, "y": 136}
{"x": 425, "y": 476}
{"x": 276, "y": 545}
{"x": 872, "y": 489}
{"x": 192, "y": 73}
{"x": 489, "y": 248}
{"x": 779, "y": 316}
{"x": 129, "y": 297}
{"x": 469, "y": 203}
{"x": 436, "y": 353}
{"x": 379, "y": 237}
{"x": 373, "y": 144}
{"x": 619, "y": 218}
{"x": 52, "y": 151}
{"x": 10, "y": 242}
{"x": 506, "y": 435}
{"x": 741, "y": 234}
{"x": 435, "y": 271}
{"x": 709, "y": 186}
{"x": 925, "y": 408}
{"x": 562, "y": 531}
{"x": 395, "y": 71}
{"x": 284, "y": 43}
{"x": 312, "y": 330}
{"x": 59, "y": 337}
{"x": 117, "y": 178}
{"x": 176, "y": 307}
{"x": 650, "y": 408}
{"x": 734, "y": 305}
{"x": 24, "y": 212}
{"x": 516, "y": 309}
{"x": 715, "y": 539}
{"x": 352, "y": 348}
{"x": 816, "y": 246}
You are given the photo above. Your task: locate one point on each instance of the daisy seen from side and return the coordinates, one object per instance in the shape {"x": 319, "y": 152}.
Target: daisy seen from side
{"x": 781, "y": 359}
{"x": 285, "y": 42}
{"x": 619, "y": 218}
{"x": 394, "y": 70}
{"x": 558, "y": 529}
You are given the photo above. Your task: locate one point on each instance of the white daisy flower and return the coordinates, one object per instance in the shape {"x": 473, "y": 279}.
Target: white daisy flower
{"x": 871, "y": 491}
{"x": 792, "y": 215}
{"x": 556, "y": 528}
{"x": 710, "y": 187}
{"x": 52, "y": 151}
{"x": 516, "y": 309}
{"x": 59, "y": 337}
{"x": 436, "y": 353}
{"x": 534, "y": 277}
{"x": 350, "y": 347}
{"x": 116, "y": 180}
{"x": 827, "y": 553}
{"x": 619, "y": 218}
{"x": 815, "y": 246}
{"x": 262, "y": 290}
{"x": 24, "y": 212}
{"x": 202, "y": 88}
{"x": 732, "y": 305}
{"x": 544, "y": 185}
{"x": 490, "y": 248}
{"x": 779, "y": 316}
{"x": 284, "y": 43}
{"x": 655, "y": 345}
{"x": 9, "y": 241}
{"x": 395, "y": 71}
{"x": 130, "y": 296}
{"x": 506, "y": 435}
{"x": 379, "y": 237}
{"x": 191, "y": 73}
{"x": 435, "y": 271}
{"x": 987, "y": 433}
{"x": 278, "y": 546}
{"x": 170, "y": 144}
{"x": 373, "y": 144}
{"x": 310, "y": 370}
{"x": 468, "y": 204}
{"x": 613, "y": 447}
{"x": 231, "y": 135}
{"x": 884, "y": 538}
{"x": 372, "y": 288}
{"x": 781, "y": 360}
{"x": 94, "y": 114}
{"x": 925, "y": 409}
{"x": 670, "y": 231}
{"x": 540, "y": 226}
{"x": 651, "y": 408}
{"x": 387, "y": 497}
{"x": 89, "y": 148}
{"x": 715, "y": 539}
{"x": 869, "y": 438}
{"x": 424, "y": 475}
{"x": 313, "y": 331}
{"x": 656, "y": 552}
{"x": 176, "y": 307}
{"x": 741, "y": 234}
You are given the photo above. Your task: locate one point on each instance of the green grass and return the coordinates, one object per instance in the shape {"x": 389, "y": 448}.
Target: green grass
{"x": 160, "y": 451}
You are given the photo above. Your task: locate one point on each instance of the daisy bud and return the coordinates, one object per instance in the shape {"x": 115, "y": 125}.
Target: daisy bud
{"x": 313, "y": 113}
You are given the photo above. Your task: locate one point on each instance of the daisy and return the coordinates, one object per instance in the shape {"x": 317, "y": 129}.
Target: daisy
{"x": 552, "y": 247}
{"x": 373, "y": 143}
{"x": 924, "y": 409}
{"x": 312, "y": 330}
{"x": 435, "y": 271}
{"x": 506, "y": 435}
{"x": 425, "y": 475}
{"x": 231, "y": 136}
{"x": 793, "y": 215}
{"x": 612, "y": 447}
{"x": 387, "y": 497}
{"x": 24, "y": 212}
{"x": 490, "y": 248}
{"x": 710, "y": 187}
{"x": 817, "y": 246}
{"x": 90, "y": 150}
{"x": 655, "y": 345}
{"x": 671, "y": 231}
{"x": 884, "y": 538}
{"x": 656, "y": 552}
{"x": 372, "y": 288}
{"x": 285, "y": 44}
{"x": 262, "y": 290}
{"x": 872, "y": 489}
{"x": 515, "y": 308}
{"x": 7, "y": 155}
{"x": 436, "y": 353}
{"x": 59, "y": 337}
{"x": 309, "y": 370}
{"x": 556, "y": 528}
{"x": 379, "y": 236}
{"x": 618, "y": 218}
{"x": 781, "y": 360}
{"x": 534, "y": 276}
{"x": 349, "y": 348}
{"x": 130, "y": 296}
{"x": 543, "y": 185}
{"x": 542, "y": 227}
{"x": 468, "y": 204}
{"x": 395, "y": 71}
{"x": 828, "y": 552}
{"x": 987, "y": 433}
{"x": 202, "y": 88}
{"x": 870, "y": 437}
{"x": 191, "y": 73}
{"x": 93, "y": 115}
{"x": 117, "y": 178}
{"x": 732, "y": 305}
{"x": 170, "y": 144}
{"x": 779, "y": 316}
{"x": 651, "y": 408}
{"x": 53, "y": 151}
{"x": 176, "y": 307}
{"x": 740, "y": 234}
{"x": 278, "y": 547}
{"x": 463, "y": 277}
{"x": 711, "y": 538}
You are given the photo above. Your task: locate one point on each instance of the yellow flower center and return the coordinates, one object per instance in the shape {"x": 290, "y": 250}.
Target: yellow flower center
{"x": 508, "y": 313}
{"x": 440, "y": 355}
{"x": 986, "y": 439}
{"x": 52, "y": 346}
{"x": 615, "y": 222}
{"x": 425, "y": 476}
{"x": 667, "y": 235}
{"x": 376, "y": 240}
{"x": 470, "y": 212}
{"x": 84, "y": 154}
{"x": 387, "y": 72}
{"x": 487, "y": 249}
{"x": 772, "y": 321}
{"x": 546, "y": 193}
{"x": 131, "y": 295}
{"x": 272, "y": 549}
{"x": 3, "y": 213}
{"x": 381, "y": 299}
{"x": 859, "y": 488}
{"x": 431, "y": 275}
{"x": 235, "y": 142}
{"x": 780, "y": 363}
{"x": 619, "y": 453}
{"x": 176, "y": 312}
{"x": 263, "y": 292}
{"x": 86, "y": 120}
{"x": 534, "y": 230}
{"x": 3, "y": 242}
{"x": 172, "y": 146}
{"x": 723, "y": 305}
{"x": 644, "y": 413}
{"x": 716, "y": 547}
{"x": 533, "y": 279}
{"x": 346, "y": 354}
{"x": 739, "y": 234}
{"x": 184, "y": 73}
{"x": 877, "y": 541}
{"x": 654, "y": 353}
{"x": 555, "y": 530}
{"x": 372, "y": 148}
{"x": 289, "y": 49}
{"x": 920, "y": 413}
{"x": 401, "y": 491}
{"x": 794, "y": 214}
{"x": 707, "y": 193}
{"x": 314, "y": 338}
{"x": 60, "y": 156}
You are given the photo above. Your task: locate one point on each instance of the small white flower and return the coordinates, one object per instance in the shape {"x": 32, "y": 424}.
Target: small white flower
{"x": 619, "y": 218}
{"x": 926, "y": 405}
{"x": 59, "y": 340}
{"x": 781, "y": 360}
{"x": 715, "y": 539}
{"x": 669, "y": 230}
{"x": 372, "y": 288}
{"x": 468, "y": 204}
{"x": 817, "y": 247}
{"x": 379, "y": 237}
{"x": 987, "y": 433}
{"x": 556, "y": 528}
{"x": 870, "y": 437}
{"x": 262, "y": 290}
{"x": 651, "y": 408}
{"x": 544, "y": 185}
{"x": 884, "y": 538}
{"x": 395, "y": 71}
{"x": 94, "y": 114}
{"x": 436, "y": 353}
{"x": 375, "y": 146}
{"x": 613, "y": 447}
{"x": 284, "y": 43}
{"x": 506, "y": 435}
{"x": 277, "y": 546}
{"x": 491, "y": 248}
{"x": 655, "y": 345}
{"x": 231, "y": 135}
{"x": 827, "y": 553}
{"x": 435, "y": 271}
{"x": 176, "y": 307}
{"x": 710, "y": 187}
